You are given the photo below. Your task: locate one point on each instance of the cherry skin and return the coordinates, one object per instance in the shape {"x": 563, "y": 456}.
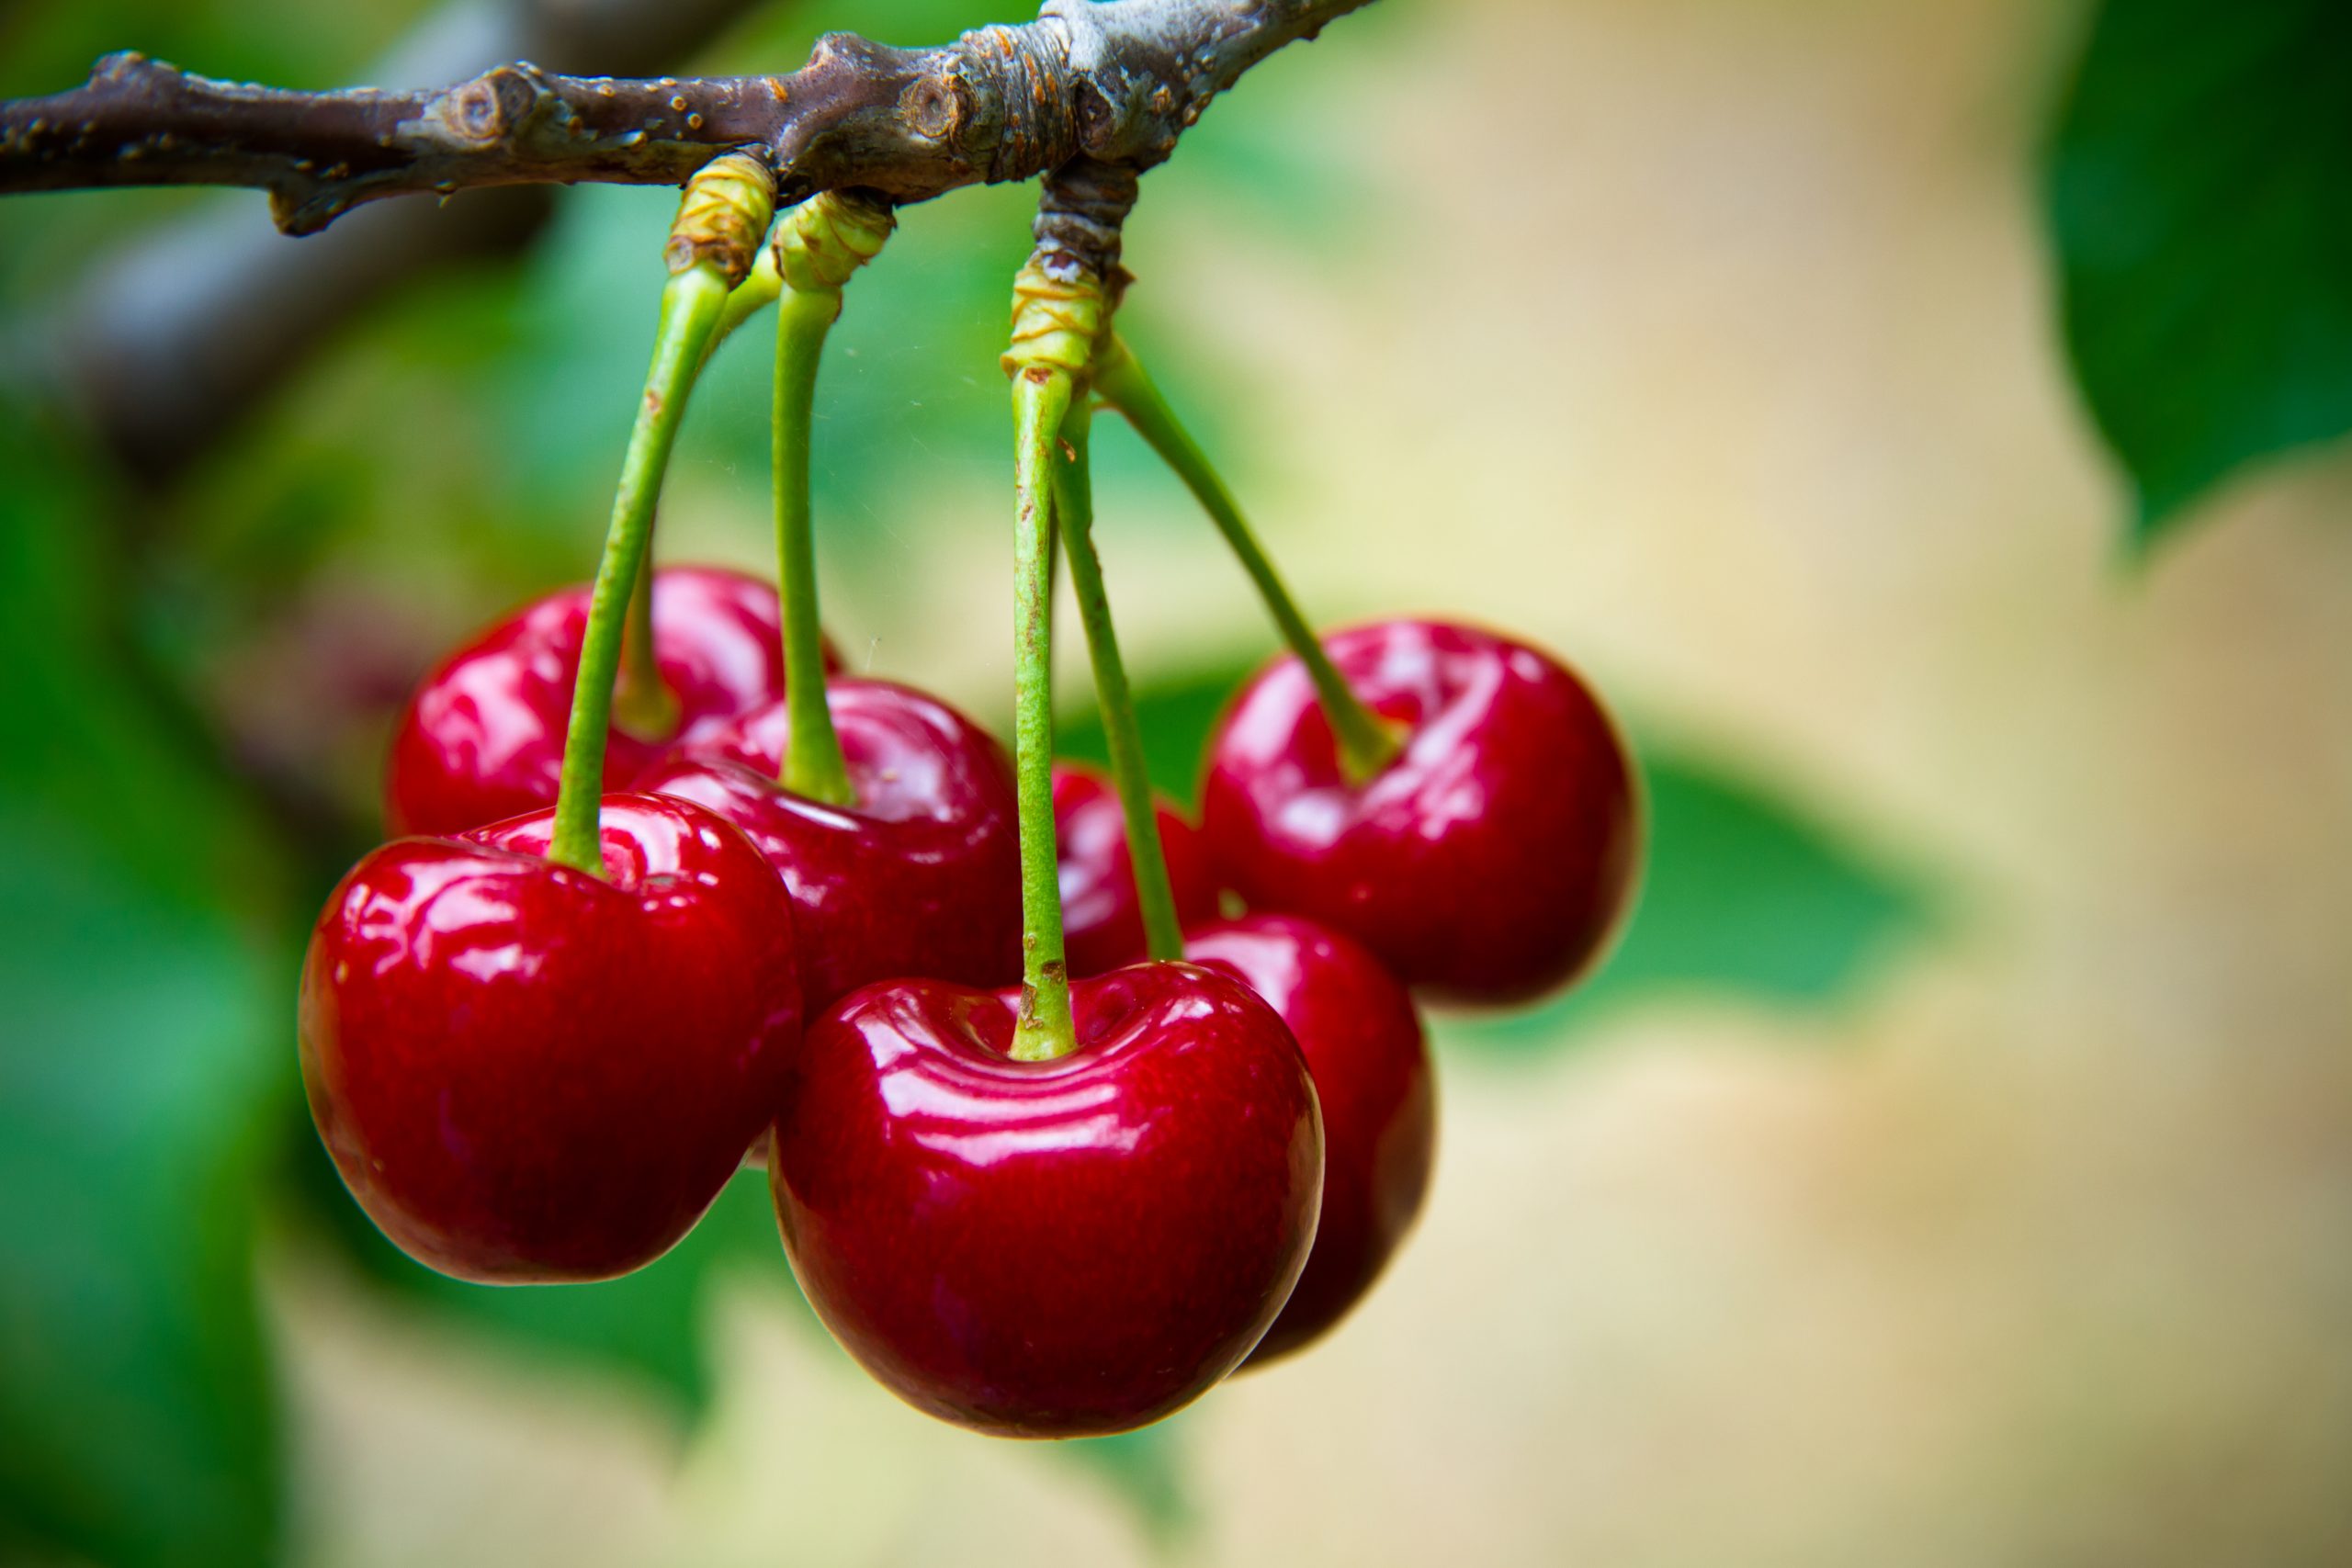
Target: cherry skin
{"x": 1363, "y": 1042}
{"x": 1101, "y": 916}
{"x": 1049, "y": 1249}
{"x": 1490, "y": 863}
{"x": 921, "y": 877}
{"x": 483, "y": 737}
{"x": 525, "y": 1074}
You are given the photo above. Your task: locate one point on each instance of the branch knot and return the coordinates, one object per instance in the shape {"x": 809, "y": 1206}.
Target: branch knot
{"x": 1058, "y": 314}
{"x": 723, "y": 216}
{"x": 1026, "y": 71}
{"x": 828, "y": 237}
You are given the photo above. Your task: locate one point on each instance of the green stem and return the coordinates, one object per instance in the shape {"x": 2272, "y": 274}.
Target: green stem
{"x": 748, "y": 298}
{"x": 642, "y": 702}
{"x": 1041, "y": 400}
{"x": 1367, "y": 742}
{"x": 1074, "y": 511}
{"x": 813, "y": 765}
{"x": 691, "y": 304}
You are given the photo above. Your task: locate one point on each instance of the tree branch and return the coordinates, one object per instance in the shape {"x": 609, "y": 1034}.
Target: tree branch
{"x": 1115, "y": 81}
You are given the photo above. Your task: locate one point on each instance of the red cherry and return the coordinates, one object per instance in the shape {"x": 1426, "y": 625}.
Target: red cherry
{"x": 525, "y": 1074}
{"x": 1362, "y": 1042}
{"x": 923, "y": 877}
{"x": 1053, "y": 1249}
{"x": 1102, "y": 916}
{"x": 1490, "y": 863}
{"x": 482, "y": 738}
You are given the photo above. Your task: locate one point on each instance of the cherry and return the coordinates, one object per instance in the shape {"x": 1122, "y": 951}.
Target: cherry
{"x": 1489, "y": 862}
{"x": 482, "y": 738}
{"x": 1051, "y": 1248}
{"x": 529, "y": 1073}
{"x": 1102, "y": 915}
{"x": 921, "y": 877}
{"x": 1362, "y": 1042}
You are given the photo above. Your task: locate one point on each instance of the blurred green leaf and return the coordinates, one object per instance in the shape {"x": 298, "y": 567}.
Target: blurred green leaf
{"x": 1741, "y": 895}
{"x": 1741, "y": 892}
{"x": 1145, "y": 1470}
{"x": 148, "y": 1042}
{"x": 1177, "y": 713}
{"x": 136, "y": 1416}
{"x": 647, "y": 1326}
{"x": 2196, "y": 196}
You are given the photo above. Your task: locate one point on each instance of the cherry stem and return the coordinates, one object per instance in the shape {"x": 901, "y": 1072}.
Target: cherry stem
{"x": 819, "y": 244}
{"x": 721, "y": 218}
{"x": 643, "y": 703}
{"x": 691, "y": 304}
{"x": 1041, "y": 400}
{"x": 1074, "y": 514}
{"x": 748, "y": 298}
{"x": 813, "y": 765}
{"x": 1367, "y": 743}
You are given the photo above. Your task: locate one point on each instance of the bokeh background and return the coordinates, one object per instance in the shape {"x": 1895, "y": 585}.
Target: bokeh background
{"x": 1955, "y": 1165}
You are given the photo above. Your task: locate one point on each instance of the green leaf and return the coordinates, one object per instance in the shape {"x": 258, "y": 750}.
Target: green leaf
{"x": 2196, "y": 190}
{"x": 1740, "y": 896}
{"x": 136, "y": 1418}
{"x": 646, "y": 1327}
{"x": 1144, "y": 1470}
{"x": 1740, "y": 893}
{"x": 1176, "y": 714}
{"x": 148, "y": 1043}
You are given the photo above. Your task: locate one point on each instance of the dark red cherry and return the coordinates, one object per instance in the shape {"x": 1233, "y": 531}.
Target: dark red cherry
{"x": 482, "y": 738}
{"x": 1490, "y": 863}
{"x": 1362, "y": 1042}
{"x": 525, "y": 1074}
{"x": 923, "y": 877}
{"x": 1102, "y": 916}
{"x": 1049, "y": 1249}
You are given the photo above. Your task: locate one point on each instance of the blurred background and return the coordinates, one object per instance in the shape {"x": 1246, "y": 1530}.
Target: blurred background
{"x": 1905, "y": 414}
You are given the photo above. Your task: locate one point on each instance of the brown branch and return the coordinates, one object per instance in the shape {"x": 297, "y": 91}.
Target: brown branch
{"x": 1117, "y": 81}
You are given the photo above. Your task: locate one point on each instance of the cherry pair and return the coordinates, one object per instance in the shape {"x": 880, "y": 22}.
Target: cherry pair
{"x": 917, "y": 878}
{"x": 1493, "y": 851}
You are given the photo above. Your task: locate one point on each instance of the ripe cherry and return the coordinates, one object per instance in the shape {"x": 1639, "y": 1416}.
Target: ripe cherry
{"x": 921, "y": 877}
{"x": 1362, "y": 1042}
{"x": 1488, "y": 862}
{"x": 529, "y": 1073}
{"x": 482, "y": 738}
{"x": 1101, "y": 916}
{"x": 1055, "y": 1248}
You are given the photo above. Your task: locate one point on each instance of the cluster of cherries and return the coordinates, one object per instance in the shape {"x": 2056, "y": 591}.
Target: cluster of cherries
{"x": 535, "y": 1067}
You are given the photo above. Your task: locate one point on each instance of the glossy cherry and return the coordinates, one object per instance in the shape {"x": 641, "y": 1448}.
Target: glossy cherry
{"x": 1049, "y": 1248}
{"x": 483, "y": 737}
{"x": 921, "y": 877}
{"x": 1101, "y": 916}
{"x": 526, "y": 1074}
{"x": 1488, "y": 862}
{"x": 1364, "y": 1043}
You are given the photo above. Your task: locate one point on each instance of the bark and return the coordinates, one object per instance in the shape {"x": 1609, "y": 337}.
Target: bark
{"x": 1113, "y": 81}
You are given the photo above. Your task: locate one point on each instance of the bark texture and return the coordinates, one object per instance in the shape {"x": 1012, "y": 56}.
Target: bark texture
{"x": 1114, "y": 82}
